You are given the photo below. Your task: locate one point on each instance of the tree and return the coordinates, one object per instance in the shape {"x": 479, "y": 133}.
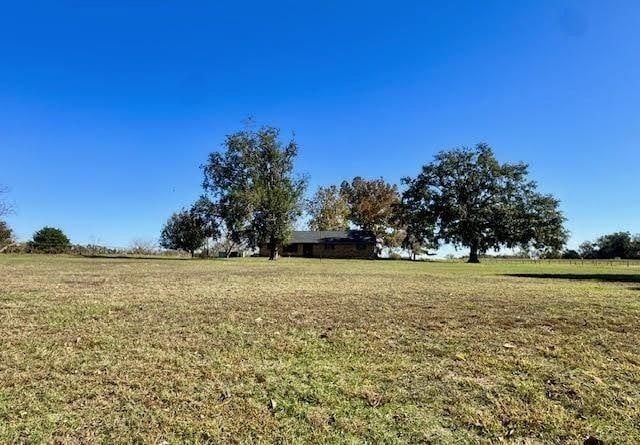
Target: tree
{"x": 5, "y": 207}
{"x": 143, "y": 246}
{"x": 226, "y": 245}
{"x": 467, "y": 198}
{"x": 328, "y": 209}
{"x": 372, "y": 205}
{"x": 588, "y": 250}
{"x": 615, "y": 245}
{"x": 208, "y": 212}
{"x": 50, "y": 240}
{"x": 6, "y": 234}
{"x": 635, "y": 246}
{"x": 571, "y": 254}
{"x": 185, "y": 230}
{"x": 254, "y": 189}
{"x": 416, "y": 219}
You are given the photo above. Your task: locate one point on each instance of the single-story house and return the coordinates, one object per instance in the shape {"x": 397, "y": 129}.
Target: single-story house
{"x": 328, "y": 244}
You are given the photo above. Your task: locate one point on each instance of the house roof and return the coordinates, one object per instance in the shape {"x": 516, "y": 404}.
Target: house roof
{"x": 332, "y": 236}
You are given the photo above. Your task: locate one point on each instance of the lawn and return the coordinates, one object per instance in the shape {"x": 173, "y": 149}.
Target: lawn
{"x": 309, "y": 351}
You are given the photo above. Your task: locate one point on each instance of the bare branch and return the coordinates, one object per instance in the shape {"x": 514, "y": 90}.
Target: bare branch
{"x": 5, "y": 206}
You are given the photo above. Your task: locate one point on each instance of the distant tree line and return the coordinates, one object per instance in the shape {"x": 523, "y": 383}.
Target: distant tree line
{"x": 621, "y": 245}
{"x": 252, "y": 197}
{"x": 465, "y": 197}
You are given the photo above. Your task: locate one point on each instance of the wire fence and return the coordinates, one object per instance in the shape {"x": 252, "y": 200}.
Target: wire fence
{"x": 616, "y": 262}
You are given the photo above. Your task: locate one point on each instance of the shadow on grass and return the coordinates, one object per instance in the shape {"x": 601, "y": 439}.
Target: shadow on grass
{"x": 607, "y": 278}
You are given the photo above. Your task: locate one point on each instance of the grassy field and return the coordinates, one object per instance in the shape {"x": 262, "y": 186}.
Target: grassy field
{"x": 300, "y": 351}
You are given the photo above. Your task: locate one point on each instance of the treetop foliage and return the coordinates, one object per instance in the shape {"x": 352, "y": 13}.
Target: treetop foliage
{"x": 188, "y": 229}
{"x": 328, "y": 209}
{"x": 253, "y": 186}
{"x": 372, "y": 204}
{"x": 467, "y": 198}
{"x": 50, "y": 240}
{"x": 614, "y": 245}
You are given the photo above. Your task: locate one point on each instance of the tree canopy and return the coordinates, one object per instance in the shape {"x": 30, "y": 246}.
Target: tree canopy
{"x": 417, "y": 222}
{"x": 328, "y": 209}
{"x": 467, "y": 198}
{"x": 613, "y": 245}
{"x": 50, "y": 240}
{"x": 253, "y": 186}
{"x": 372, "y": 204}
{"x": 186, "y": 230}
{"x": 207, "y": 211}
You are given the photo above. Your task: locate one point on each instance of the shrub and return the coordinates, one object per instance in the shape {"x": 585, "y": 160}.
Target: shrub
{"x": 50, "y": 240}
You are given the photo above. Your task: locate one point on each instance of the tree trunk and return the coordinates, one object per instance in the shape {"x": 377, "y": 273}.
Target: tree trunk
{"x": 473, "y": 253}
{"x": 229, "y": 250}
{"x": 192, "y": 253}
{"x": 273, "y": 250}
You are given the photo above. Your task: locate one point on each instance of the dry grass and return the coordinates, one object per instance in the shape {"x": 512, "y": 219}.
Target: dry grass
{"x": 299, "y": 351}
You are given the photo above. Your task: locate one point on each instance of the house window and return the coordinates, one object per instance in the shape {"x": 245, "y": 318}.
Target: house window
{"x": 290, "y": 248}
{"x": 329, "y": 247}
{"x": 361, "y": 246}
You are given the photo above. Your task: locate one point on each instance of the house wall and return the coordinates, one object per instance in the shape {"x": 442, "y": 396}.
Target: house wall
{"x": 347, "y": 250}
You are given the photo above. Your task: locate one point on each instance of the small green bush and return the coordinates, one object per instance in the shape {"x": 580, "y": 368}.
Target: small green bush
{"x": 50, "y": 240}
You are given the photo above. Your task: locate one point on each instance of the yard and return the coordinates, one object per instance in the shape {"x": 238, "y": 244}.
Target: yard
{"x": 296, "y": 351}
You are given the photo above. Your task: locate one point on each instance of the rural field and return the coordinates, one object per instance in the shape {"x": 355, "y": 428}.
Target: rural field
{"x": 98, "y": 350}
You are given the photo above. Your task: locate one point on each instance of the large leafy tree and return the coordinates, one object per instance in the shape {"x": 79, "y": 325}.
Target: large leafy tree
{"x": 187, "y": 230}
{"x": 372, "y": 205}
{"x": 328, "y": 209}
{"x": 616, "y": 245}
{"x": 467, "y": 198}
{"x": 253, "y": 185}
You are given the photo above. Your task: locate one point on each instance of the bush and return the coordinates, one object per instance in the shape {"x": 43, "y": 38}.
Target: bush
{"x": 20, "y": 248}
{"x": 50, "y": 240}
{"x": 94, "y": 250}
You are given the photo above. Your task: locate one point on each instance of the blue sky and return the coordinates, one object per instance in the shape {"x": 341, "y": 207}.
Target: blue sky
{"x": 107, "y": 109}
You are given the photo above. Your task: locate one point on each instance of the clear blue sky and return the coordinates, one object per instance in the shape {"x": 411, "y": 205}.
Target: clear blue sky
{"x": 107, "y": 109}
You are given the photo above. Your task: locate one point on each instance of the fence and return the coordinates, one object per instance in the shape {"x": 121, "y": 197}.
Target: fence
{"x": 581, "y": 262}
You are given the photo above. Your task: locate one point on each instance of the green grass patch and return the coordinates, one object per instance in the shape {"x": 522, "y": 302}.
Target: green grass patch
{"x": 97, "y": 350}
